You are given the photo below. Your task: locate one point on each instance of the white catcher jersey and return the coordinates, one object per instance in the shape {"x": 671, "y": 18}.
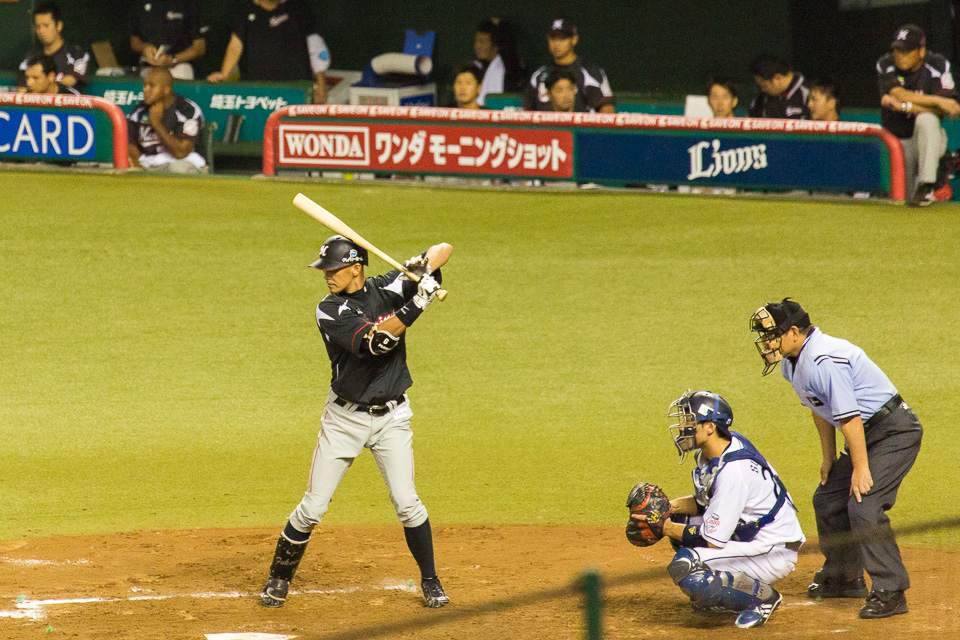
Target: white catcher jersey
{"x": 742, "y": 492}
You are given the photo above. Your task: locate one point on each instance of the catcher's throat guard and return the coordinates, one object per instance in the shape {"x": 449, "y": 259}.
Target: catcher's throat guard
{"x": 684, "y": 432}
{"x": 768, "y": 340}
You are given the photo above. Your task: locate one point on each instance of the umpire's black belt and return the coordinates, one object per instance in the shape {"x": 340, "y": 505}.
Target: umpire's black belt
{"x": 889, "y": 406}
{"x": 377, "y": 410}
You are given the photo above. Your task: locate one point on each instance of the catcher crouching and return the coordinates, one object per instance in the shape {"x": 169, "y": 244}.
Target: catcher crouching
{"x": 738, "y": 533}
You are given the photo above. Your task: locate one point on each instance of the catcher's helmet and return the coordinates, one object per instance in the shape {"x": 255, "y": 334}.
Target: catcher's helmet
{"x": 772, "y": 321}
{"x": 692, "y": 408}
{"x": 337, "y": 252}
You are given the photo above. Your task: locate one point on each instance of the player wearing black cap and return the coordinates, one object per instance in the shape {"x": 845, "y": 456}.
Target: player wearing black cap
{"x": 916, "y": 92}
{"x": 363, "y": 323}
{"x": 593, "y": 88}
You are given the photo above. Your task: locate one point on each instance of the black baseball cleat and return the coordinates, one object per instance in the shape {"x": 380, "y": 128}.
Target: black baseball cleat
{"x": 275, "y": 593}
{"x": 883, "y": 604}
{"x": 923, "y": 196}
{"x": 433, "y": 593}
{"x": 824, "y": 587}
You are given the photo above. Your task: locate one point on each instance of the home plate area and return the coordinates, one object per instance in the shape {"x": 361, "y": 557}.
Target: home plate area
{"x": 358, "y": 581}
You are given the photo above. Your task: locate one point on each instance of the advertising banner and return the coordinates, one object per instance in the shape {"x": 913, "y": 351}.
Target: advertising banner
{"x": 49, "y": 135}
{"x": 430, "y": 148}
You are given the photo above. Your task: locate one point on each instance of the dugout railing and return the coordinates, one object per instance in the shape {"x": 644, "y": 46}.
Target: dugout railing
{"x": 613, "y": 149}
{"x": 62, "y": 127}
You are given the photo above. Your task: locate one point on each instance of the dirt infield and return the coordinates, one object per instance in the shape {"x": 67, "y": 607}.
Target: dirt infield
{"x": 186, "y": 584}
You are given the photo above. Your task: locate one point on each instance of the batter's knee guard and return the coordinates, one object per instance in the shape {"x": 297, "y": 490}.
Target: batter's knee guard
{"x": 290, "y": 549}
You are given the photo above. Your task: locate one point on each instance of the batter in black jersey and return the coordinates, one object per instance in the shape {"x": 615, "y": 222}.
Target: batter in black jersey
{"x": 593, "y": 88}
{"x": 363, "y": 323}
{"x": 71, "y": 61}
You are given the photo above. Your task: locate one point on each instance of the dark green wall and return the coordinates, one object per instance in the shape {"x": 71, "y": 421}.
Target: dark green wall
{"x": 661, "y": 48}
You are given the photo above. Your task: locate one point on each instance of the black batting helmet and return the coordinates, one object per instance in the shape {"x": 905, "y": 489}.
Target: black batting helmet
{"x": 337, "y": 252}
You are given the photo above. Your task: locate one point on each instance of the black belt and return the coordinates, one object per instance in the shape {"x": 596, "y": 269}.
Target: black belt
{"x": 373, "y": 409}
{"x": 890, "y": 405}
{"x": 794, "y": 546}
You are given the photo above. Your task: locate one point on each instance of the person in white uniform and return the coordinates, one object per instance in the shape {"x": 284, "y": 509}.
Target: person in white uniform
{"x": 739, "y": 532}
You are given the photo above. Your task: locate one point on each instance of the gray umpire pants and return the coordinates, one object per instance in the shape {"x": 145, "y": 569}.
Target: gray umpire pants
{"x": 856, "y": 535}
{"x": 922, "y": 151}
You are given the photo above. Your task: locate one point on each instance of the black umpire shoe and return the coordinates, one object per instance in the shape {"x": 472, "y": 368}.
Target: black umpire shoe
{"x": 433, "y": 593}
{"x": 883, "y": 604}
{"x": 824, "y": 587}
{"x": 275, "y": 593}
{"x": 923, "y": 196}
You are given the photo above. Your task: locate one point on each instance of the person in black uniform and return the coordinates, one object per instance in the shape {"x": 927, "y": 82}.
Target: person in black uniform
{"x": 593, "y": 89}
{"x": 163, "y": 129}
{"x": 783, "y": 93}
{"x": 41, "y": 76}
{"x": 71, "y": 60}
{"x": 276, "y": 41}
{"x": 168, "y": 34}
{"x": 363, "y": 323}
{"x": 916, "y": 92}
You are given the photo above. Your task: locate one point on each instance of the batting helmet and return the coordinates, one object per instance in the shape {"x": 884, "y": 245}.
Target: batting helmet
{"x": 338, "y": 252}
{"x": 695, "y": 407}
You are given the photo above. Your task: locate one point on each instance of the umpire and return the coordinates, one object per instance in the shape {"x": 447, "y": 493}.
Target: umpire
{"x": 846, "y": 391}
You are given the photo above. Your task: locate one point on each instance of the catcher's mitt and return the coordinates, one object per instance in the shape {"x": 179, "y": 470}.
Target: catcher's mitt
{"x": 651, "y": 501}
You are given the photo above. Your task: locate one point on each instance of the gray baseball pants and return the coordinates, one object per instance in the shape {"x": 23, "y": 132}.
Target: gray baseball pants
{"x": 856, "y": 535}
{"x": 922, "y": 151}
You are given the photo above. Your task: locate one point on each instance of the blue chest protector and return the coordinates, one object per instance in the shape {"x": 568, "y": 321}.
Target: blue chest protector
{"x": 704, "y": 479}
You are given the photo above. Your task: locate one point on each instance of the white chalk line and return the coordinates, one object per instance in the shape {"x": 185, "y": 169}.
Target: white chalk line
{"x": 31, "y": 562}
{"x": 36, "y": 609}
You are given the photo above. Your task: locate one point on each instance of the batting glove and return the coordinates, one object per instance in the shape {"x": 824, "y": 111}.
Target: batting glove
{"x": 426, "y": 291}
{"x": 418, "y": 266}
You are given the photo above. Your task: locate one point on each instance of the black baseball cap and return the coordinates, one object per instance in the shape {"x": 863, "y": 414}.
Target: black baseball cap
{"x": 909, "y": 37}
{"x": 562, "y": 27}
{"x": 787, "y": 313}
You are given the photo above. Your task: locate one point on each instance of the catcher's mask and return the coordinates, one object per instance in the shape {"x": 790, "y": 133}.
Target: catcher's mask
{"x": 337, "y": 252}
{"x": 771, "y": 321}
{"x": 693, "y": 408}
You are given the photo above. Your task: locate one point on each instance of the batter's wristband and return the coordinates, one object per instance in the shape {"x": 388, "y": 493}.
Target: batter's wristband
{"x": 409, "y": 313}
{"x": 692, "y": 538}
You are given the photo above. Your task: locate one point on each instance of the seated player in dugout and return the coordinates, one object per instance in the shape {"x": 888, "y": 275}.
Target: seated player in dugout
{"x": 738, "y": 533}
{"x": 71, "y": 61}
{"x": 497, "y": 58}
{"x": 917, "y": 92}
{"x": 276, "y": 41}
{"x": 164, "y": 128}
{"x": 466, "y": 87}
{"x": 562, "y": 90}
{"x": 593, "y": 89}
{"x": 41, "y": 76}
{"x": 168, "y": 34}
{"x": 824, "y": 100}
{"x": 722, "y": 96}
{"x": 783, "y": 93}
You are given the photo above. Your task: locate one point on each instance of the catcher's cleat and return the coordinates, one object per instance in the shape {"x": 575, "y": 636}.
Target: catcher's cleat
{"x": 275, "y": 593}
{"x": 824, "y": 587}
{"x": 883, "y": 604}
{"x": 757, "y": 616}
{"x": 433, "y": 593}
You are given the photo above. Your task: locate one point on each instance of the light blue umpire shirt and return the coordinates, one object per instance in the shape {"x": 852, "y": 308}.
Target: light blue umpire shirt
{"x": 836, "y": 379}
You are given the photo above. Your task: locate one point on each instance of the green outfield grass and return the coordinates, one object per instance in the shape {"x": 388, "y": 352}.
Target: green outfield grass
{"x": 160, "y": 366}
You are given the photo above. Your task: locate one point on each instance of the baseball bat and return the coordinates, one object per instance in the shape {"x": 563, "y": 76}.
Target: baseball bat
{"x": 337, "y": 225}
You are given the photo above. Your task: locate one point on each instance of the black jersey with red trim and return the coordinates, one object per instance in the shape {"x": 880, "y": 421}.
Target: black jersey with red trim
{"x": 344, "y": 320}
{"x": 792, "y": 103}
{"x": 933, "y": 77}
{"x": 69, "y": 60}
{"x": 275, "y": 42}
{"x": 183, "y": 119}
{"x": 593, "y": 88}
